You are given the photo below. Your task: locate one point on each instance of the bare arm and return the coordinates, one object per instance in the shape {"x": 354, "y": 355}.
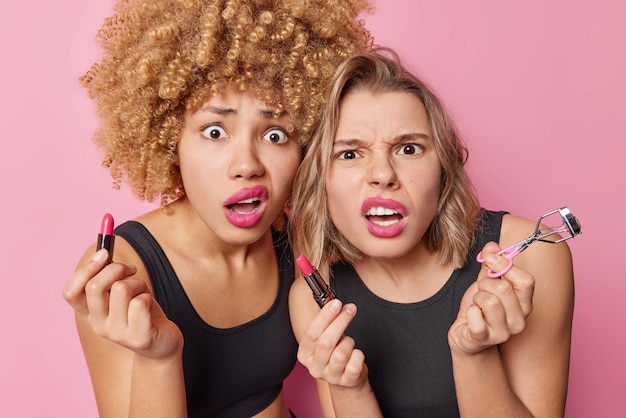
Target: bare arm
{"x": 330, "y": 356}
{"x": 133, "y": 352}
{"x": 510, "y": 344}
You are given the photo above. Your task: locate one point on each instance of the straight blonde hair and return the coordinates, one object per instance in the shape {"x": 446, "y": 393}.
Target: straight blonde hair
{"x": 451, "y": 232}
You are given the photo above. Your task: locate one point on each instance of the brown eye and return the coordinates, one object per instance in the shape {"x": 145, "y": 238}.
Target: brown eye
{"x": 410, "y": 149}
{"x": 348, "y": 155}
{"x": 276, "y": 136}
{"x": 213, "y": 132}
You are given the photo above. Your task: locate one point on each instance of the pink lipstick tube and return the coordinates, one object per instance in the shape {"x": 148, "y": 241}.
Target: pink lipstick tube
{"x": 106, "y": 239}
{"x": 322, "y": 293}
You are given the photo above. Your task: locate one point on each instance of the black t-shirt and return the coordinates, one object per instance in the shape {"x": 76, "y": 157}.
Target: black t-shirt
{"x": 234, "y": 372}
{"x": 406, "y": 344}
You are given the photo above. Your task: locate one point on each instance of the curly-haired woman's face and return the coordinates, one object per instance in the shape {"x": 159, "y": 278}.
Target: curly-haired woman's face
{"x": 238, "y": 162}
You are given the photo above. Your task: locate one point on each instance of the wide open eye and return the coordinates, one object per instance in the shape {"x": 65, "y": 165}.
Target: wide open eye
{"x": 276, "y": 135}
{"x": 213, "y": 132}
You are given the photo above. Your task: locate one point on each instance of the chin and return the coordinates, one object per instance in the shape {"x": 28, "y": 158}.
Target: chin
{"x": 385, "y": 252}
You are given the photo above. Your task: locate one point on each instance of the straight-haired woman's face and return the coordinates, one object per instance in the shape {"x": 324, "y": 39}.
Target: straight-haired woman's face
{"x": 383, "y": 181}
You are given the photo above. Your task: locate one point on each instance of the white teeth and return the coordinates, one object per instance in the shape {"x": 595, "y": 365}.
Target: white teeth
{"x": 251, "y": 200}
{"x": 380, "y": 211}
{"x": 385, "y": 223}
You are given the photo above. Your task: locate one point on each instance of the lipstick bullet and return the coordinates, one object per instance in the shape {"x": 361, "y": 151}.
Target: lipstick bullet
{"x": 106, "y": 239}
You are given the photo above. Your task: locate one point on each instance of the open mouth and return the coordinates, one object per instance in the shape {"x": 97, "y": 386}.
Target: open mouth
{"x": 383, "y": 216}
{"x": 245, "y": 206}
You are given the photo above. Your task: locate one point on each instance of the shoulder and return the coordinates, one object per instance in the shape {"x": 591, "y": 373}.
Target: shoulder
{"x": 123, "y": 252}
{"x": 299, "y": 290}
{"x": 302, "y": 306}
{"x": 515, "y": 228}
{"x": 540, "y": 258}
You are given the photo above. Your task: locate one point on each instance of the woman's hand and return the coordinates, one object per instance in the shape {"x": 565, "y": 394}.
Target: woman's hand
{"x": 327, "y": 352}
{"x": 492, "y": 310}
{"x": 121, "y": 308}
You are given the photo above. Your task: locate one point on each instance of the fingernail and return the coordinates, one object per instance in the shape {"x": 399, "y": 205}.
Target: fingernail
{"x": 351, "y": 309}
{"x": 99, "y": 255}
{"x": 491, "y": 258}
{"x": 334, "y": 305}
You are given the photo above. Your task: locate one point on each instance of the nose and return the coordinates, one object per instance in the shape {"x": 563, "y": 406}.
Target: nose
{"x": 381, "y": 172}
{"x": 245, "y": 160}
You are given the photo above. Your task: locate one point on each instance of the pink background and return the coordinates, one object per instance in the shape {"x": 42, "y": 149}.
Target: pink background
{"x": 537, "y": 87}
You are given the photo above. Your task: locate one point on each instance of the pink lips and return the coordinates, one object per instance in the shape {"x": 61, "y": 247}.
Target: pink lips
{"x": 377, "y": 229}
{"x": 246, "y": 207}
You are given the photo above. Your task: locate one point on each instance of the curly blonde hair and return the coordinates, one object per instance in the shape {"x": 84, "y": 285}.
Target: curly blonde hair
{"x": 451, "y": 232}
{"x": 163, "y": 57}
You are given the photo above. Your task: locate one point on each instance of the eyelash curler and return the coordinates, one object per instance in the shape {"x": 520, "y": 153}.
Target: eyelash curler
{"x": 569, "y": 228}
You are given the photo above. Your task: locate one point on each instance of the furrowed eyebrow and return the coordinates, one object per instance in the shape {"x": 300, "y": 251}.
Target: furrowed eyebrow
{"x": 227, "y": 111}
{"x": 222, "y": 111}
{"x": 410, "y": 137}
{"x": 397, "y": 140}
{"x": 348, "y": 143}
{"x": 271, "y": 114}
{"x": 267, "y": 114}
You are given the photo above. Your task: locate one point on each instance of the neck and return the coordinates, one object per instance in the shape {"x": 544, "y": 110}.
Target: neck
{"x": 182, "y": 231}
{"x": 410, "y": 278}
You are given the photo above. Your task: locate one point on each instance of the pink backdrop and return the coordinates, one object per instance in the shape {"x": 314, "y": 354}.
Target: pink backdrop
{"x": 537, "y": 87}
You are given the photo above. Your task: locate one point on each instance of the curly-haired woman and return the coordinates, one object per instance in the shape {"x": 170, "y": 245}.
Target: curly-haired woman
{"x": 205, "y": 107}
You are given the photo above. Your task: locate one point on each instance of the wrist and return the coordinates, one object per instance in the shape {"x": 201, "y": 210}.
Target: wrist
{"x": 363, "y": 386}
{"x": 160, "y": 365}
{"x": 464, "y": 346}
{"x": 168, "y": 347}
{"x": 359, "y": 400}
{"x": 459, "y": 355}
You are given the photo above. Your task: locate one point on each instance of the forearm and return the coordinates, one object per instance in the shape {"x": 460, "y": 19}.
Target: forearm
{"x": 355, "y": 401}
{"x": 158, "y": 388}
{"x": 482, "y": 387}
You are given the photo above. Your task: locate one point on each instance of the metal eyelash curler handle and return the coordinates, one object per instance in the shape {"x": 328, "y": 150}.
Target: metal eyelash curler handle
{"x": 569, "y": 227}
